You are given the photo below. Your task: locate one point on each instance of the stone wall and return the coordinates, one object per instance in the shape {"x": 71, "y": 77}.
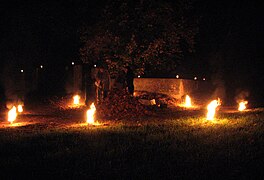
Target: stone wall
{"x": 173, "y": 87}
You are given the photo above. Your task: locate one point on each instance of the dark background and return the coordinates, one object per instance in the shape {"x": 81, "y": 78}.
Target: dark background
{"x": 229, "y": 46}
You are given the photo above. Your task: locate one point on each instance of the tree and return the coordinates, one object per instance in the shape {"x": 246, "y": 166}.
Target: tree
{"x": 149, "y": 35}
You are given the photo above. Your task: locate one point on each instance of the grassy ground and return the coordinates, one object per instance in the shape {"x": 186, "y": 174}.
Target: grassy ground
{"x": 175, "y": 144}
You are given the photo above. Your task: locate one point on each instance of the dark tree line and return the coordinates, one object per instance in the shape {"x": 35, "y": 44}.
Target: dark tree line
{"x": 152, "y": 36}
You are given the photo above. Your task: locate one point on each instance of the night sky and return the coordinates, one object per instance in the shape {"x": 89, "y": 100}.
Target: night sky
{"x": 230, "y": 41}
{"x": 41, "y": 32}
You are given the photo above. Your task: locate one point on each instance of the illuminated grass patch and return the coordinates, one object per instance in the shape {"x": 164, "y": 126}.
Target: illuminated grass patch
{"x": 172, "y": 145}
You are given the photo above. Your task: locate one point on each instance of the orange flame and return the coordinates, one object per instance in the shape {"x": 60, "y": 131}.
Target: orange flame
{"x": 188, "y": 102}
{"x": 90, "y": 114}
{"x": 20, "y": 108}
{"x": 242, "y": 105}
{"x": 76, "y": 100}
{"x": 211, "y": 109}
{"x": 12, "y": 114}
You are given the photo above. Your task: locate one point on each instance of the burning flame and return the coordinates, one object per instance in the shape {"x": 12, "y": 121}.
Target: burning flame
{"x": 76, "y": 100}
{"x": 211, "y": 109}
{"x": 188, "y": 102}
{"x": 20, "y": 108}
{"x": 90, "y": 114}
{"x": 242, "y": 105}
{"x": 12, "y": 114}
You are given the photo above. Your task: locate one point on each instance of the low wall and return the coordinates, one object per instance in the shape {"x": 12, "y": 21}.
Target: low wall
{"x": 171, "y": 86}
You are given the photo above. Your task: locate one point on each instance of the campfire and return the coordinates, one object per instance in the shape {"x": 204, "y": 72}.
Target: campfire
{"x": 76, "y": 100}
{"x": 20, "y": 108}
{"x": 242, "y": 105}
{"x": 90, "y": 115}
{"x": 12, "y": 114}
{"x": 188, "y": 102}
{"x": 211, "y": 108}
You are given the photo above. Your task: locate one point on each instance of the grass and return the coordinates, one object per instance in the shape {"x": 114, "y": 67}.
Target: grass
{"x": 173, "y": 145}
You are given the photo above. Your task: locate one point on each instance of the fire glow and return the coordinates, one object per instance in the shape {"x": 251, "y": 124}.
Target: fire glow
{"x": 211, "y": 108}
{"x": 12, "y": 114}
{"x": 20, "y": 108}
{"x": 242, "y": 105}
{"x": 76, "y": 100}
{"x": 188, "y": 102}
{"x": 90, "y": 115}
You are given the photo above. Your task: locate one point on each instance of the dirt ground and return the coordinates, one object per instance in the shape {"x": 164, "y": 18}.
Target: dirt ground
{"x": 44, "y": 116}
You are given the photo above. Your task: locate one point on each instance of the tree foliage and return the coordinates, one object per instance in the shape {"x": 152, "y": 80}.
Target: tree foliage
{"x": 149, "y": 35}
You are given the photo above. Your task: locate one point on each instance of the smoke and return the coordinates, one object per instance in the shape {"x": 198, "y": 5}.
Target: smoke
{"x": 241, "y": 95}
{"x": 218, "y": 72}
{"x": 219, "y": 84}
{"x": 14, "y": 85}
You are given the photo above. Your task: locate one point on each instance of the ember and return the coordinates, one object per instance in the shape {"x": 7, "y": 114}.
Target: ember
{"x": 211, "y": 109}
{"x": 242, "y": 105}
{"x": 12, "y": 114}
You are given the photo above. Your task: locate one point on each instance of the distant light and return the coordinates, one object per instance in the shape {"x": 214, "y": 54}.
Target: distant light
{"x": 95, "y": 65}
{"x": 41, "y": 66}
{"x": 177, "y": 76}
{"x": 22, "y": 70}
{"x": 138, "y": 76}
{"x": 203, "y": 79}
{"x": 72, "y": 63}
{"x": 195, "y": 78}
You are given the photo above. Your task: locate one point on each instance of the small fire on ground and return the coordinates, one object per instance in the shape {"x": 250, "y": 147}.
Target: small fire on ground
{"x": 20, "y": 108}
{"x": 76, "y": 100}
{"x": 211, "y": 108}
{"x": 242, "y": 105}
{"x": 12, "y": 114}
{"x": 188, "y": 102}
{"x": 90, "y": 115}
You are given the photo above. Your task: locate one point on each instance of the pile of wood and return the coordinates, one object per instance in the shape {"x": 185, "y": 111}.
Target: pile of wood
{"x": 161, "y": 100}
{"x": 119, "y": 104}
